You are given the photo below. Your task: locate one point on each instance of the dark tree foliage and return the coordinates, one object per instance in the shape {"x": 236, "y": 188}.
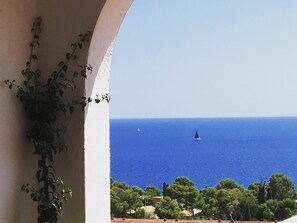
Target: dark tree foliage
{"x": 209, "y": 203}
{"x": 262, "y": 194}
{"x": 185, "y": 193}
{"x": 281, "y": 187}
{"x": 152, "y": 191}
{"x": 228, "y": 184}
{"x": 126, "y": 201}
{"x": 138, "y": 190}
{"x": 164, "y": 192}
{"x": 168, "y": 208}
{"x": 227, "y": 200}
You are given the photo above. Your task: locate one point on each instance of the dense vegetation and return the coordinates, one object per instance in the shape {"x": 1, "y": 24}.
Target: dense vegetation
{"x": 274, "y": 200}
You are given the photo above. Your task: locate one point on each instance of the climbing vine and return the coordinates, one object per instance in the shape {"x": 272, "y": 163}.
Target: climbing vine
{"x": 44, "y": 102}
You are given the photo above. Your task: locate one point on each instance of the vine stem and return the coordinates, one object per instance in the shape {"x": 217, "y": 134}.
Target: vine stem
{"x": 44, "y": 169}
{"x": 32, "y": 45}
{"x": 68, "y": 59}
{"x": 15, "y": 85}
{"x": 76, "y": 45}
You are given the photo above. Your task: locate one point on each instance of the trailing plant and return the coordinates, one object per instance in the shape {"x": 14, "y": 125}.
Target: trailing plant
{"x": 43, "y": 102}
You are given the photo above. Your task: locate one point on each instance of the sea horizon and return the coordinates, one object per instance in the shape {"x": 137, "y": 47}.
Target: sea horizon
{"x": 211, "y": 117}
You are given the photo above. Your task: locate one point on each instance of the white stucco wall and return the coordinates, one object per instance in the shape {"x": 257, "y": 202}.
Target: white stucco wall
{"x": 85, "y": 167}
{"x": 15, "y": 24}
{"x": 290, "y": 220}
{"x": 97, "y": 116}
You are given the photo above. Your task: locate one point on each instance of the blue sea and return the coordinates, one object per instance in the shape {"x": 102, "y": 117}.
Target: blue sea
{"x": 152, "y": 151}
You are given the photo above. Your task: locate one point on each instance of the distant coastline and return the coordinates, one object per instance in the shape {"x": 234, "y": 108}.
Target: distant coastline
{"x": 227, "y": 117}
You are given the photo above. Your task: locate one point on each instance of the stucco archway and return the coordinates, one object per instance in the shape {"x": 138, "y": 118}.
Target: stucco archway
{"x": 97, "y": 174}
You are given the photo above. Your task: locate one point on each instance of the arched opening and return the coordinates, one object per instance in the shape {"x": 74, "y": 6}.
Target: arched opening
{"x": 252, "y": 67}
{"x": 61, "y": 26}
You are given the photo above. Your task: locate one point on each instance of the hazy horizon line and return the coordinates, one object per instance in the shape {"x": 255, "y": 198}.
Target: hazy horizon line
{"x": 205, "y": 117}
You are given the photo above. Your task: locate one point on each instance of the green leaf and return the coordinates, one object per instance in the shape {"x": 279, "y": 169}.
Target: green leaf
{"x": 40, "y": 209}
{"x": 38, "y": 175}
{"x": 52, "y": 168}
{"x": 53, "y": 187}
{"x": 68, "y": 55}
{"x": 64, "y": 68}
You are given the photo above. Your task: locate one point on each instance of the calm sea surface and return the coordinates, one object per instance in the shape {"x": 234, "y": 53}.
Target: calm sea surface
{"x": 152, "y": 151}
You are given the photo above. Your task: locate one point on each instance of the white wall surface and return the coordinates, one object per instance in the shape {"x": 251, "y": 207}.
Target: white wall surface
{"x": 15, "y": 161}
{"x": 290, "y": 220}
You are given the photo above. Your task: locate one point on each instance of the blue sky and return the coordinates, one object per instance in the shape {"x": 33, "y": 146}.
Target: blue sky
{"x": 206, "y": 58}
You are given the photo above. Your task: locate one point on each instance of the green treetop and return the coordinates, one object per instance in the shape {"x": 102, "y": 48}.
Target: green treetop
{"x": 281, "y": 187}
{"x": 185, "y": 193}
{"x": 152, "y": 191}
{"x": 168, "y": 208}
{"x": 228, "y": 184}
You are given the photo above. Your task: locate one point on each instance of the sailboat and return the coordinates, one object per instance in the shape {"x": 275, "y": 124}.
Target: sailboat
{"x": 196, "y": 137}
